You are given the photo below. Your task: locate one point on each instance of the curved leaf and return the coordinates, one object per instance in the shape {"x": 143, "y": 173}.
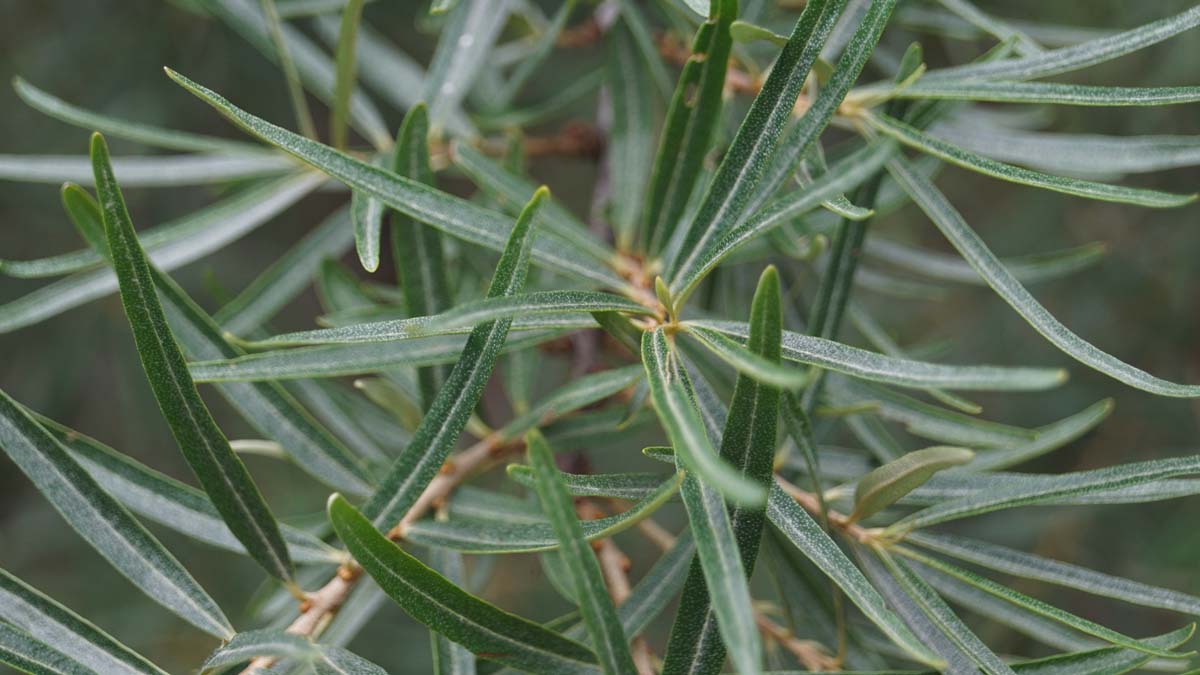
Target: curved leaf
{"x": 104, "y": 523}
{"x": 889, "y": 483}
{"x": 206, "y": 449}
{"x": 433, "y": 600}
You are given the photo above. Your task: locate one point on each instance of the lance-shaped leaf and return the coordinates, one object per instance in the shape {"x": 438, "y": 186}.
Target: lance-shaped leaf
{"x": 1031, "y": 566}
{"x": 433, "y": 600}
{"x": 30, "y": 655}
{"x": 890, "y": 370}
{"x": 674, "y": 400}
{"x": 206, "y": 449}
{"x": 943, "y": 617}
{"x": 975, "y": 251}
{"x": 154, "y": 171}
{"x": 580, "y": 563}
{"x": 1048, "y": 92}
{"x": 953, "y": 154}
{"x": 1080, "y": 155}
{"x": 417, "y": 250}
{"x": 785, "y": 514}
{"x": 748, "y": 441}
{"x": 182, "y": 241}
{"x": 433, "y": 439}
{"x": 487, "y": 523}
{"x": 457, "y": 217}
{"x": 336, "y": 360}
{"x": 266, "y": 406}
{"x": 889, "y": 483}
{"x": 146, "y": 134}
{"x": 743, "y": 164}
{"x": 461, "y": 318}
{"x": 103, "y": 522}
{"x": 248, "y": 644}
{"x": 1040, "y": 489}
{"x": 366, "y": 213}
{"x": 691, "y": 118}
{"x": 1038, "y": 607}
{"x": 749, "y": 363}
{"x": 77, "y": 638}
{"x": 166, "y": 501}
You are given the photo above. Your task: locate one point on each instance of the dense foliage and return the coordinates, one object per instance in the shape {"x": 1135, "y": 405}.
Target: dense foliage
{"x": 703, "y": 320}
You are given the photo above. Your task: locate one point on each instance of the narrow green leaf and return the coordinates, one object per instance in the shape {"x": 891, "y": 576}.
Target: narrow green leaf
{"x": 743, "y": 164}
{"x": 461, "y": 318}
{"x": 493, "y": 527}
{"x": 1040, "y": 490}
{"x": 1031, "y": 566}
{"x": 1029, "y": 269}
{"x": 463, "y": 49}
{"x": 748, "y": 441}
{"x": 1048, "y": 438}
{"x": 345, "y": 60}
{"x": 448, "y": 413}
{"x": 1047, "y": 92}
{"x": 953, "y": 154}
{"x": 220, "y": 471}
{"x": 146, "y": 134}
{"x": 1075, "y": 57}
{"x": 30, "y": 655}
{"x": 267, "y": 406}
{"x": 1039, "y": 607}
{"x": 452, "y": 215}
{"x": 148, "y": 171}
{"x": 1079, "y": 155}
{"x": 169, "y": 502}
{"x": 338, "y": 360}
{"x": 417, "y": 251}
{"x": 903, "y": 372}
{"x": 176, "y": 244}
{"x": 433, "y": 600}
{"x": 943, "y": 617}
{"x": 582, "y": 567}
{"x": 674, "y": 400}
{"x": 631, "y": 138}
{"x": 746, "y": 32}
{"x": 815, "y": 544}
{"x": 889, "y": 483}
{"x": 77, "y": 638}
{"x": 103, "y": 522}
{"x": 972, "y": 248}
{"x": 691, "y": 118}
{"x": 286, "y": 277}
{"x": 1002, "y": 30}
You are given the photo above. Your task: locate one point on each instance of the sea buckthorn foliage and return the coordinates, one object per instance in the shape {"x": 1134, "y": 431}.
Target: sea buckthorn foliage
{"x": 701, "y": 329}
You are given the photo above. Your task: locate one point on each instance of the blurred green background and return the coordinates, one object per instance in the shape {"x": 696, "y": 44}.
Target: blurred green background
{"x": 80, "y": 368}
